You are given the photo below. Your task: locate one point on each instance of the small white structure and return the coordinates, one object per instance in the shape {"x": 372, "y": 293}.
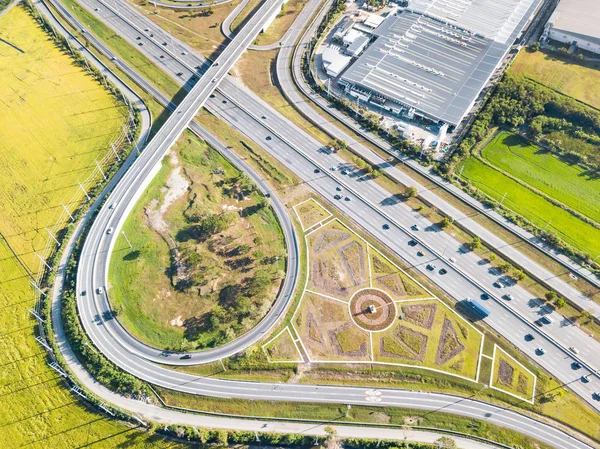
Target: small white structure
{"x": 334, "y": 62}
{"x": 351, "y": 36}
{"x": 356, "y": 47}
{"x": 373, "y": 21}
{"x": 343, "y": 27}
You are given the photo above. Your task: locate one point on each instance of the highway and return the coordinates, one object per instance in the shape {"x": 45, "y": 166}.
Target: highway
{"x": 109, "y": 345}
{"x": 557, "y": 360}
{"x": 95, "y": 258}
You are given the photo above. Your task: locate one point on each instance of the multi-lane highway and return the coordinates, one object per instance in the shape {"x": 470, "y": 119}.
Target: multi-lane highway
{"x": 112, "y": 346}
{"x": 557, "y": 359}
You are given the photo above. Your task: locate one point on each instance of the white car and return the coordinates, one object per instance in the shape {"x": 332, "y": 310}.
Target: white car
{"x": 99, "y": 290}
{"x": 109, "y": 230}
{"x": 452, "y": 259}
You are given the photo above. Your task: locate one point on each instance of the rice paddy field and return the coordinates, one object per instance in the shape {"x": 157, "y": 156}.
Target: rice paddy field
{"x": 56, "y": 122}
{"x": 542, "y": 170}
{"x": 546, "y": 173}
{"x": 48, "y": 108}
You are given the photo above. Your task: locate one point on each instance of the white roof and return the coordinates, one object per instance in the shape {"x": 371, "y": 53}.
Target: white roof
{"x": 352, "y": 35}
{"x": 374, "y": 20}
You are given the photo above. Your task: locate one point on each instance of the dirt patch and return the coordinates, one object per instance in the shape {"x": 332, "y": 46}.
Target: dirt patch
{"x": 372, "y": 310}
{"x": 505, "y": 373}
{"x": 329, "y": 239}
{"x": 404, "y": 343}
{"x": 353, "y": 259}
{"x": 314, "y": 334}
{"x": 344, "y": 343}
{"x": 176, "y": 186}
{"x": 176, "y": 322}
{"x": 522, "y": 384}
{"x": 449, "y": 345}
{"x": 420, "y": 314}
{"x": 393, "y": 283}
{"x": 327, "y": 276}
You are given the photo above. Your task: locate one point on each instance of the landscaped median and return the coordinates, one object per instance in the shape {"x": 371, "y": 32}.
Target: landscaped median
{"x": 201, "y": 257}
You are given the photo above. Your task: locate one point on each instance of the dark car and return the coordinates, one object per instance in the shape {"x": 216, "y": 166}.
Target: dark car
{"x": 186, "y": 356}
{"x": 386, "y": 226}
{"x": 338, "y": 197}
{"x": 412, "y": 243}
{"x": 485, "y": 296}
{"x": 576, "y": 365}
{"x": 443, "y": 271}
{"x": 529, "y": 337}
{"x": 317, "y": 170}
{"x": 269, "y": 137}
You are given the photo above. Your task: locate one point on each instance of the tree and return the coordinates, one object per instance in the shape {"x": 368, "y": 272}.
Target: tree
{"x": 446, "y": 222}
{"x": 518, "y": 275}
{"x": 445, "y": 443}
{"x": 475, "y": 243}
{"x": 257, "y": 286}
{"x": 504, "y": 267}
{"x": 410, "y": 192}
{"x": 331, "y": 432}
{"x": 550, "y": 296}
{"x": 560, "y": 302}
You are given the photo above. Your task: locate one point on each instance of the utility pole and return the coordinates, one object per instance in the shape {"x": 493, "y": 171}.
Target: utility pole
{"x": 67, "y": 211}
{"x": 52, "y": 236}
{"x": 112, "y": 146}
{"x": 100, "y": 168}
{"x": 37, "y": 288}
{"x": 44, "y": 262}
{"x": 83, "y": 190}
{"x": 502, "y": 200}
{"x": 127, "y": 240}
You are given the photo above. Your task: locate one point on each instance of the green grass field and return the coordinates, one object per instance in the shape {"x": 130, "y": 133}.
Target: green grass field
{"x": 151, "y": 293}
{"x": 36, "y": 410}
{"x": 545, "y": 172}
{"x": 532, "y": 206}
{"x": 569, "y": 78}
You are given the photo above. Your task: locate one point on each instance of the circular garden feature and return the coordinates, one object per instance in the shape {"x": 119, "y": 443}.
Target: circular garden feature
{"x": 372, "y": 309}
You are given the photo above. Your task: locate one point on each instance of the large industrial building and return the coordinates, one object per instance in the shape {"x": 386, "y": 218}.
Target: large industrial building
{"x": 576, "y": 22}
{"x": 433, "y": 59}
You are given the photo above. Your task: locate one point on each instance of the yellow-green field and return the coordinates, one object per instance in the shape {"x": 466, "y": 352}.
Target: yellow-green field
{"x": 47, "y": 110}
{"x": 569, "y": 78}
{"x": 56, "y": 121}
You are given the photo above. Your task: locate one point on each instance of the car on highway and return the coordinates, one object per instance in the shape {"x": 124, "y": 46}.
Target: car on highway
{"x": 508, "y": 297}
{"x": 179, "y": 73}
{"x": 344, "y": 172}
{"x": 338, "y": 196}
{"x": 485, "y": 296}
{"x": 430, "y": 266}
{"x": 99, "y": 290}
{"x": 162, "y": 56}
{"x": 442, "y": 271}
{"x": 317, "y": 170}
{"x": 498, "y": 284}
{"x": 165, "y": 44}
{"x": 529, "y": 337}
{"x": 82, "y": 292}
{"x": 269, "y": 137}
{"x": 112, "y": 206}
{"x": 412, "y": 243}
{"x": 333, "y": 169}
{"x": 186, "y": 357}
{"x": 452, "y": 259}
{"x": 264, "y": 117}
{"x": 140, "y": 44}
{"x": 415, "y": 227}
{"x": 575, "y": 366}
{"x": 540, "y": 351}
{"x": 585, "y": 379}
{"x": 386, "y": 226}
{"x": 596, "y": 395}
{"x": 338, "y": 188}
{"x": 574, "y": 350}
{"x": 347, "y": 198}
{"x": 420, "y": 253}
{"x": 109, "y": 230}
